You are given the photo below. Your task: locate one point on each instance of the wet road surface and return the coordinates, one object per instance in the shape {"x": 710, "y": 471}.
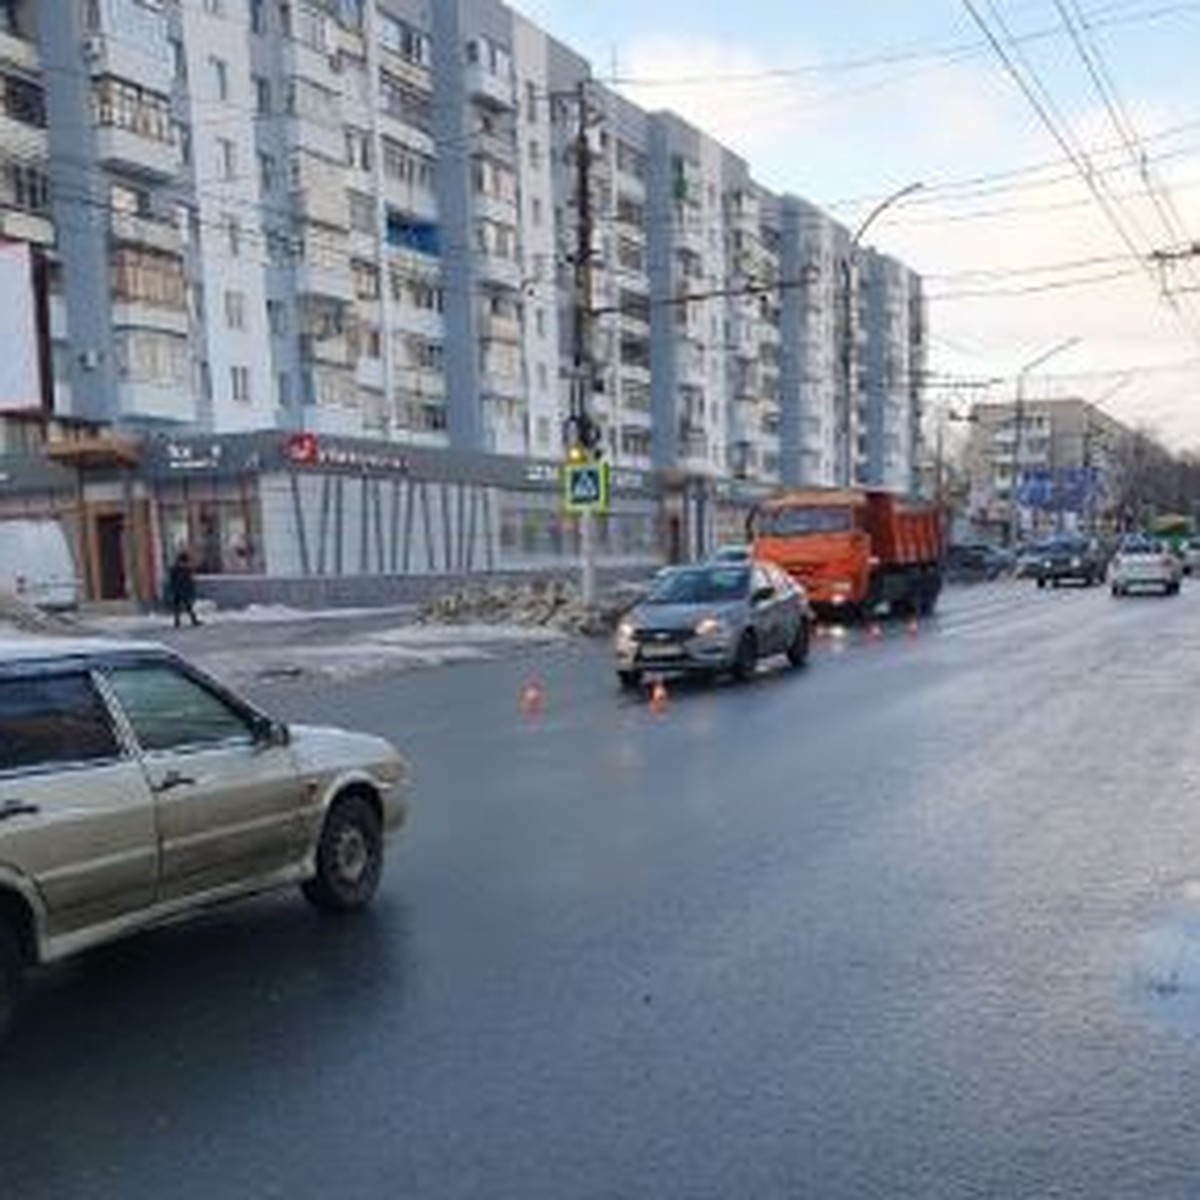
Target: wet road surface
{"x": 922, "y": 920}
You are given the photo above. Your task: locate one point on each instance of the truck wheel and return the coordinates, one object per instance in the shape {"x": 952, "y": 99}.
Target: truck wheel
{"x": 745, "y": 661}
{"x": 349, "y": 857}
{"x": 12, "y": 976}
{"x": 798, "y": 651}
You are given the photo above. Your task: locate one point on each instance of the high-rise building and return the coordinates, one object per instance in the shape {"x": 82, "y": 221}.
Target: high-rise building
{"x": 361, "y": 218}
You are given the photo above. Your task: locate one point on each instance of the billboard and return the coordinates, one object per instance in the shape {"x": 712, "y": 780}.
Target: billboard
{"x": 24, "y": 372}
{"x": 1069, "y": 489}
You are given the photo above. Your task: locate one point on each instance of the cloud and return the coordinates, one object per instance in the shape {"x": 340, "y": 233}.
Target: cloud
{"x": 869, "y": 133}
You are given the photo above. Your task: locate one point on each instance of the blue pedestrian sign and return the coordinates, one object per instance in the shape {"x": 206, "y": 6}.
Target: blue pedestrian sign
{"x": 585, "y": 487}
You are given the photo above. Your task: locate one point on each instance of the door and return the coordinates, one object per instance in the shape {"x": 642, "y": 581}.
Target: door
{"x": 76, "y": 814}
{"x": 769, "y": 614}
{"x": 229, "y": 804}
{"x": 110, "y": 551}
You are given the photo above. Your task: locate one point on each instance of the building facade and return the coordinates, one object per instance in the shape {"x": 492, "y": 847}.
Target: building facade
{"x": 360, "y": 218}
{"x": 1071, "y": 467}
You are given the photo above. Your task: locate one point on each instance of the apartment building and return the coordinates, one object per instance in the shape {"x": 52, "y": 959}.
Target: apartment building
{"x": 1070, "y": 462}
{"x": 360, "y": 218}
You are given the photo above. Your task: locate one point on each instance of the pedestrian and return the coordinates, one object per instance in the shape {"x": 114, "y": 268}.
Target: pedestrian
{"x": 181, "y": 587}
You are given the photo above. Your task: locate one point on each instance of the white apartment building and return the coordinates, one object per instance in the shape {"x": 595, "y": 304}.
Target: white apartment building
{"x": 359, "y": 218}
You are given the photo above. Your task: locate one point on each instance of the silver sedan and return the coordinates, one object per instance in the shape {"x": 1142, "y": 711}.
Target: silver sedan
{"x": 712, "y": 619}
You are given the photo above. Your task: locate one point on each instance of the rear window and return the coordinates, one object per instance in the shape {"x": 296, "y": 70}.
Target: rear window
{"x": 796, "y": 522}
{"x": 52, "y": 721}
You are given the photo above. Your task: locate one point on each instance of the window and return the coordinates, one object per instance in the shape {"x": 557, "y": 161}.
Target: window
{"x": 214, "y": 8}
{"x": 266, "y": 172}
{"x": 543, "y": 379}
{"x": 178, "y": 60}
{"x": 53, "y": 721}
{"x": 170, "y": 711}
{"x": 531, "y": 100}
{"x": 535, "y": 155}
{"x": 25, "y": 187}
{"x": 283, "y": 389}
{"x": 537, "y": 212}
{"x": 233, "y": 235}
{"x": 146, "y": 276}
{"x": 129, "y": 201}
{"x": 239, "y": 384}
{"x": 539, "y": 320}
{"x": 22, "y": 101}
{"x": 401, "y": 38}
{"x": 262, "y": 96}
{"x": 362, "y": 212}
{"x": 235, "y": 309}
{"x": 358, "y": 148}
{"x": 276, "y": 317}
{"x": 366, "y": 279}
{"x": 227, "y": 158}
{"x": 258, "y": 16}
{"x": 405, "y": 102}
{"x": 220, "y": 73}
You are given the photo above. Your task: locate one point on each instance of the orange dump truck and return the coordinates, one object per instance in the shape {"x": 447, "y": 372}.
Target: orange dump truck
{"x": 853, "y": 550}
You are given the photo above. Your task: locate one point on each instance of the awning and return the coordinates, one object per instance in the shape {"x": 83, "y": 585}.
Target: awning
{"x": 94, "y": 453}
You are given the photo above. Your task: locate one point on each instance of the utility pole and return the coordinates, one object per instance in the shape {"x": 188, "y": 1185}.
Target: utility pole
{"x": 583, "y": 430}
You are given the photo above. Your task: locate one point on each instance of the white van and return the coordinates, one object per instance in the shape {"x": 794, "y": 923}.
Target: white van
{"x": 36, "y": 563}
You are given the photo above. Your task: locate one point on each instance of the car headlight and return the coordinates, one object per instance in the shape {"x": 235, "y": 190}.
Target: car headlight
{"x": 710, "y": 627}
{"x": 1077, "y": 562}
{"x": 625, "y": 633}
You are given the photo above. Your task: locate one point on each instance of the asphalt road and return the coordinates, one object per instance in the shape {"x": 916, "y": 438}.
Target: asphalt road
{"x": 920, "y": 921}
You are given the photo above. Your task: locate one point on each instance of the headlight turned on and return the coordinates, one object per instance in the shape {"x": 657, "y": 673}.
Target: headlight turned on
{"x": 708, "y": 627}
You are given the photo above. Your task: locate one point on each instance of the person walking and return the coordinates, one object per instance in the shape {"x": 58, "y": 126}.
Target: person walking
{"x": 181, "y": 587}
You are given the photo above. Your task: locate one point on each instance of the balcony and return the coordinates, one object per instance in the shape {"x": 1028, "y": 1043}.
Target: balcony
{"x": 497, "y": 385}
{"x": 19, "y": 52}
{"x": 141, "y": 314}
{"x": 368, "y": 374}
{"x": 500, "y": 329}
{"x": 318, "y": 278}
{"x": 146, "y": 60}
{"x": 22, "y": 141}
{"x": 502, "y": 272}
{"x": 423, "y": 322}
{"x": 147, "y": 231}
{"x": 484, "y": 85}
{"x": 128, "y": 151}
{"x": 19, "y": 226}
{"x": 141, "y": 399}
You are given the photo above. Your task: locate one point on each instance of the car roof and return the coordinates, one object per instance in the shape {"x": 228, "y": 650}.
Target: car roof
{"x": 19, "y": 648}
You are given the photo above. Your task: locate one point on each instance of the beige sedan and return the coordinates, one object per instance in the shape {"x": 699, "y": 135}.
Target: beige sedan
{"x": 135, "y": 789}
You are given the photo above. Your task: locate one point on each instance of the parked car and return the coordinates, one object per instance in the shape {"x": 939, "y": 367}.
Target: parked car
{"x": 36, "y": 563}
{"x": 732, "y": 553}
{"x": 1145, "y": 563}
{"x": 969, "y": 562}
{"x": 1070, "y": 560}
{"x": 1191, "y": 556}
{"x": 1029, "y": 556}
{"x": 711, "y": 619}
{"x": 134, "y": 789}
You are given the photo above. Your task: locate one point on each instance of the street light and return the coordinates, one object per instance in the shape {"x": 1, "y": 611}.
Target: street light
{"x": 849, "y": 262}
{"x": 1014, "y": 516}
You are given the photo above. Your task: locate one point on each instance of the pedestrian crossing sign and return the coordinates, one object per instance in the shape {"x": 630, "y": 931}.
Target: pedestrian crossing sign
{"x": 585, "y": 487}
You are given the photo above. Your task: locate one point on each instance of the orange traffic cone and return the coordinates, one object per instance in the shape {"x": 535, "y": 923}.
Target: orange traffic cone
{"x": 659, "y": 700}
{"x": 531, "y": 700}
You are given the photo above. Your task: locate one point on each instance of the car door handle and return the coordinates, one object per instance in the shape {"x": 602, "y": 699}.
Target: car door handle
{"x": 17, "y": 808}
{"x": 172, "y": 780}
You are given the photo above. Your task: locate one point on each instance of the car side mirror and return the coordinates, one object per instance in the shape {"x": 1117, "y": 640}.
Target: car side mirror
{"x": 762, "y": 594}
{"x": 273, "y": 735}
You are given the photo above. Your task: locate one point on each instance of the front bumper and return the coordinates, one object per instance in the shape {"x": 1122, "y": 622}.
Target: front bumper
{"x": 702, "y": 655}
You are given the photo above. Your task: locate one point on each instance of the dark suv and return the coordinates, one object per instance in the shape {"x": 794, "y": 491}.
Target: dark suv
{"x": 1070, "y": 559}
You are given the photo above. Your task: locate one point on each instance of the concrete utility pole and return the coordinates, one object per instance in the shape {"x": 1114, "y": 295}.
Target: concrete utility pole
{"x": 1014, "y": 512}
{"x": 584, "y": 375}
{"x": 849, "y": 266}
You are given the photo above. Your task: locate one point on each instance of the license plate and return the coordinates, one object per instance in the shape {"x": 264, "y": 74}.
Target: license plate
{"x": 659, "y": 652}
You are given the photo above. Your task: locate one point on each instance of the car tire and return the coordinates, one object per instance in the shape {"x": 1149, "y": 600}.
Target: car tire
{"x": 630, "y": 680}
{"x": 349, "y": 857}
{"x": 1116, "y": 591}
{"x": 745, "y": 660}
{"x": 797, "y": 652}
{"x": 12, "y": 976}
{"x": 1041, "y": 582}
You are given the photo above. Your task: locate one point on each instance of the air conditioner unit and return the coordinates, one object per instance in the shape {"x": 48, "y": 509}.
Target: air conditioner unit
{"x": 89, "y": 360}
{"x": 93, "y": 48}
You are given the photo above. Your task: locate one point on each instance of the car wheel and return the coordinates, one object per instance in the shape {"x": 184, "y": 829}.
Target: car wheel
{"x": 798, "y": 651}
{"x": 745, "y": 661}
{"x": 1116, "y": 591}
{"x": 630, "y": 680}
{"x": 1041, "y": 582}
{"x": 349, "y": 857}
{"x": 12, "y": 976}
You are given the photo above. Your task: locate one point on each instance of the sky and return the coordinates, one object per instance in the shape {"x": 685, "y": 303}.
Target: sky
{"x": 845, "y": 103}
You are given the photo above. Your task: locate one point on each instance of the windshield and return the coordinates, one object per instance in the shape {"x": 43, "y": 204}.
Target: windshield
{"x": 705, "y": 585}
{"x": 801, "y": 520}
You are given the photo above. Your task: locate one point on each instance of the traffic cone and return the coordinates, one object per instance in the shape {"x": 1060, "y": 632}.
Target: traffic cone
{"x": 532, "y": 700}
{"x": 659, "y": 700}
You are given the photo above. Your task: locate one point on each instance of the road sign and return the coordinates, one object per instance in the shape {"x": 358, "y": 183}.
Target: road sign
{"x": 585, "y": 487}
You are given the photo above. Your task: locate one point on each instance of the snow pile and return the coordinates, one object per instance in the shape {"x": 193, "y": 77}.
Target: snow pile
{"x": 551, "y": 604}
{"x": 16, "y": 614}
